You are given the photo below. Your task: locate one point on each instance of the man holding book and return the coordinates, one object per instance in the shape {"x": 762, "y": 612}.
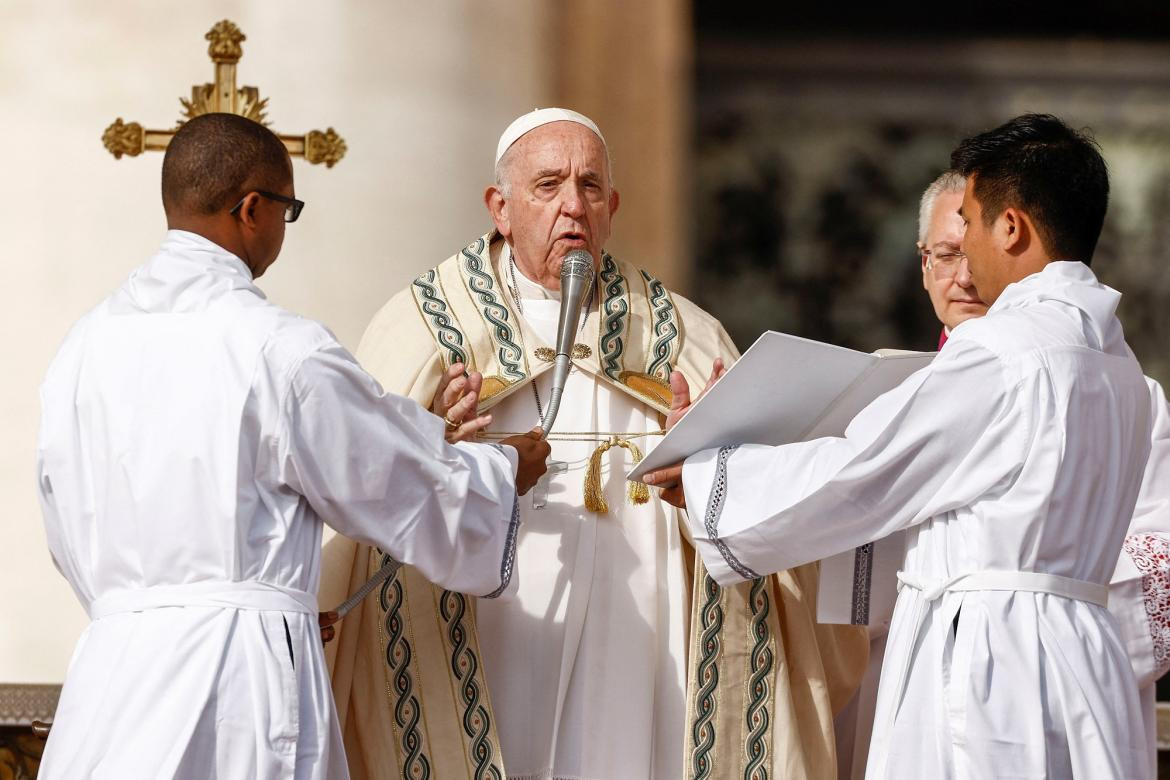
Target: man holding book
{"x": 1015, "y": 460}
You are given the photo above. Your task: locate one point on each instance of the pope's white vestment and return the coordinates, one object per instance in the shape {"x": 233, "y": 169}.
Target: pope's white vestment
{"x": 618, "y": 656}
{"x": 194, "y": 438}
{"x": 1015, "y": 460}
{"x": 602, "y": 598}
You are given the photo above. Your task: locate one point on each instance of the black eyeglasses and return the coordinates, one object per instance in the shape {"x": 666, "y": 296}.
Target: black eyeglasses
{"x": 292, "y": 206}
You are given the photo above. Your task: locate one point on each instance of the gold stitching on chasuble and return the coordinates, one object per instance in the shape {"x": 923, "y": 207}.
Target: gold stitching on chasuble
{"x": 548, "y": 354}
{"x": 458, "y": 614}
{"x": 651, "y": 388}
{"x": 615, "y": 310}
{"x": 431, "y": 301}
{"x": 758, "y": 745}
{"x": 397, "y": 653}
{"x": 664, "y": 316}
{"x": 479, "y": 278}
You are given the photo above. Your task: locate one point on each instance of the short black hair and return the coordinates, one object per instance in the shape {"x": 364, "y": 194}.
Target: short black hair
{"x": 1040, "y": 165}
{"x": 215, "y": 159}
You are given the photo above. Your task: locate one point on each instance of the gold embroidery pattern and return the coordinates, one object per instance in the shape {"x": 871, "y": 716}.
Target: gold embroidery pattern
{"x": 548, "y": 354}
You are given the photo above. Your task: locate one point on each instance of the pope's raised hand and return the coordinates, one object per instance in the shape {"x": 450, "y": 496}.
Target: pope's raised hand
{"x": 456, "y": 401}
{"x": 533, "y": 452}
{"x": 680, "y": 392}
{"x": 669, "y": 479}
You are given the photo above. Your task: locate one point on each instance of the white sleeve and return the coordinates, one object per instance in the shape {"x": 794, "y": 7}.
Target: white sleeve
{"x": 1139, "y": 593}
{"x": 376, "y": 467}
{"x": 919, "y": 450}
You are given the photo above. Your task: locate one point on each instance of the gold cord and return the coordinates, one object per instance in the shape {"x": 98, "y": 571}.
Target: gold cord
{"x": 638, "y": 492}
{"x": 573, "y": 435}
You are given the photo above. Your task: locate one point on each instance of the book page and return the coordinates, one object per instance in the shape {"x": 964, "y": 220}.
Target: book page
{"x": 768, "y": 396}
{"x": 886, "y": 374}
{"x": 783, "y": 389}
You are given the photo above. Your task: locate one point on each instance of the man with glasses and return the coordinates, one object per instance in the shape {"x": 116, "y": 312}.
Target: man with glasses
{"x": 194, "y": 438}
{"x": 945, "y": 277}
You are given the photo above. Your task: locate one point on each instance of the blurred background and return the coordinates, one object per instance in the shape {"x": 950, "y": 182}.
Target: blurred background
{"x": 770, "y": 166}
{"x": 817, "y": 130}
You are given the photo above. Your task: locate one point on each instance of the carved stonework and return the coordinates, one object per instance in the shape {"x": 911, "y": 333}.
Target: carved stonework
{"x": 20, "y": 705}
{"x": 121, "y": 138}
{"x": 225, "y": 40}
{"x": 327, "y": 147}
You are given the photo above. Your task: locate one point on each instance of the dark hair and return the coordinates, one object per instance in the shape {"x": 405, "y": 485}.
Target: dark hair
{"x": 1040, "y": 165}
{"x": 215, "y": 159}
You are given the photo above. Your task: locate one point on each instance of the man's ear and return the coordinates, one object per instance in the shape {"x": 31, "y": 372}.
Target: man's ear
{"x": 247, "y": 211}
{"x": 1011, "y": 230}
{"x": 497, "y": 206}
{"x": 615, "y": 200}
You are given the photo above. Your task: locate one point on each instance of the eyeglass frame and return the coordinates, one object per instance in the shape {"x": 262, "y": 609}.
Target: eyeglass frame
{"x": 295, "y": 204}
{"x": 930, "y": 256}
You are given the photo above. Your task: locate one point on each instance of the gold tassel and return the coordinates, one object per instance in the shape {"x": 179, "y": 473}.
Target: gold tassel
{"x": 638, "y": 492}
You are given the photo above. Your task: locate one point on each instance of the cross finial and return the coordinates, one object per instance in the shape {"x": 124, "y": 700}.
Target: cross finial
{"x": 130, "y": 139}
{"x": 225, "y": 40}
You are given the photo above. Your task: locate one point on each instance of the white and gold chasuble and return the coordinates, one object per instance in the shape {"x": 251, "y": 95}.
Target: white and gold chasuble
{"x": 618, "y": 657}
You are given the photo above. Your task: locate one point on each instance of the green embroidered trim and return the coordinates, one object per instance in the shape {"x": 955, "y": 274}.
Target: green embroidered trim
{"x": 758, "y": 719}
{"x": 477, "y": 723}
{"x": 665, "y": 319}
{"x": 707, "y": 674}
{"x": 407, "y": 711}
{"x": 480, "y": 282}
{"x": 615, "y": 308}
{"x": 433, "y": 304}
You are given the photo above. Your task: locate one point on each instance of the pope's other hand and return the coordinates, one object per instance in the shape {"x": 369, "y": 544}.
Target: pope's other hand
{"x": 669, "y": 479}
{"x": 533, "y": 452}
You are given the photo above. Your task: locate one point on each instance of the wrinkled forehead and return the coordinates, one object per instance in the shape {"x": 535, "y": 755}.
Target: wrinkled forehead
{"x": 559, "y": 145}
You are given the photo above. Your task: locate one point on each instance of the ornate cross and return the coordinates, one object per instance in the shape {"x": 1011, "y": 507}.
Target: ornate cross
{"x": 222, "y": 96}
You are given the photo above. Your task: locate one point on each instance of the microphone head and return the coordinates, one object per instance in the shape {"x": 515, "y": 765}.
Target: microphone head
{"x": 577, "y": 264}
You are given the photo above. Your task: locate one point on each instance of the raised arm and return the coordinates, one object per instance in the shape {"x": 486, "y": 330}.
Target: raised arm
{"x": 376, "y": 467}
{"x": 754, "y": 510}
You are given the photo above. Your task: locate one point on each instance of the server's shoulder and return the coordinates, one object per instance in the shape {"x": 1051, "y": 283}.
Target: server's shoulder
{"x": 1003, "y": 333}
{"x": 287, "y": 338}
{"x": 69, "y": 352}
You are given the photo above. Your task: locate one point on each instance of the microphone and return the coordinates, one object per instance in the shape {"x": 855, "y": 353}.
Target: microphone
{"x": 576, "y": 281}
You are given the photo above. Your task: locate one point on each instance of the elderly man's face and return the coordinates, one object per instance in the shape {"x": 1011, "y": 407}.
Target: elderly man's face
{"x": 561, "y": 199}
{"x": 947, "y": 279}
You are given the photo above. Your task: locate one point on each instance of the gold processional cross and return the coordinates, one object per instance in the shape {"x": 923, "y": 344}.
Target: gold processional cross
{"x": 222, "y": 97}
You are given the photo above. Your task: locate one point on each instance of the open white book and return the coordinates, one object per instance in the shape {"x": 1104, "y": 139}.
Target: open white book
{"x": 788, "y": 389}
